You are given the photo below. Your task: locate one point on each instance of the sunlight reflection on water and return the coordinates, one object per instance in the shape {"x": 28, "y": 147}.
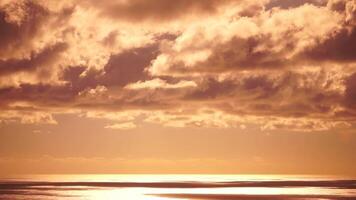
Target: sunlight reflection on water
{"x": 130, "y": 187}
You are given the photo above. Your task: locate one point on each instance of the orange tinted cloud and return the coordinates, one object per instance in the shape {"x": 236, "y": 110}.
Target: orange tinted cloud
{"x": 279, "y": 65}
{"x": 141, "y": 10}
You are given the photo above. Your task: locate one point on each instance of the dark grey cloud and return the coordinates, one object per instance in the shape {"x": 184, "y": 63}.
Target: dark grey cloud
{"x": 211, "y": 89}
{"x": 339, "y": 48}
{"x": 40, "y": 95}
{"x": 14, "y": 36}
{"x": 121, "y": 69}
{"x": 286, "y": 4}
{"x": 129, "y": 66}
{"x": 350, "y": 93}
{"x": 161, "y": 10}
{"x": 41, "y": 59}
{"x": 25, "y": 22}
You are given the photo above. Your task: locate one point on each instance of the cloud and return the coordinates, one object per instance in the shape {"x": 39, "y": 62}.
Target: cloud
{"x": 273, "y": 39}
{"x": 159, "y": 83}
{"x": 122, "y": 126}
{"x": 27, "y": 117}
{"x": 350, "y": 92}
{"x": 137, "y": 10}
{"x": 293, "y": 3}
{"x": 340, "y": 46}
{"x": 20, "y": 22}
{"x": 279, "y": 65}
{"x": 23, "y": 28}
{"x": 42, "y": 59}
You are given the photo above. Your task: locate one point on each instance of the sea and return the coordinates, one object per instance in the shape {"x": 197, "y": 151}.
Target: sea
{"x": 179, "y": 187}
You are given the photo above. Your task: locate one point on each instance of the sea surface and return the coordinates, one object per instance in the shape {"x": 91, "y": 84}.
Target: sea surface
{"x": 166, "y": 187}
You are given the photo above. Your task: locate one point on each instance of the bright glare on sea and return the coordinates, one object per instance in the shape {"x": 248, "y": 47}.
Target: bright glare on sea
{"x": 164, "y": 187}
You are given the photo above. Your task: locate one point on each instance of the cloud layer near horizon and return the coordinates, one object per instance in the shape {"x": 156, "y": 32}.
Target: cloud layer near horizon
{"x": 281, "y": 65}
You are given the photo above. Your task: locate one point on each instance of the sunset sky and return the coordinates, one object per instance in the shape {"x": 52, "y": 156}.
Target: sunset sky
{"x": 183, "y": 86}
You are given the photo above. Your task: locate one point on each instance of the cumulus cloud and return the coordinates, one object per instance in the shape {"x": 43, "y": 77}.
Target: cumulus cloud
{"x": 280, "y": 65}
{"x": 274, "y": 39}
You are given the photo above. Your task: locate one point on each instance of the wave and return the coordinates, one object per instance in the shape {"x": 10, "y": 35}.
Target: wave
{"x": 336, "y": 189}
{"x": 254, "y": 197}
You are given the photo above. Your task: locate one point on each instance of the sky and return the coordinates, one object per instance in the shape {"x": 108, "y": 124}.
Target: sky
{"x": 158, "y": 86}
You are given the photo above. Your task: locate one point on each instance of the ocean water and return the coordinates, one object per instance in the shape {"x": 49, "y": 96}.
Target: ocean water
{"x": 166, "y": 187}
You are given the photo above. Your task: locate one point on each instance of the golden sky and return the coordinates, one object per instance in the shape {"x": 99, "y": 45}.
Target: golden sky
{"x": 158, "y": 86}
